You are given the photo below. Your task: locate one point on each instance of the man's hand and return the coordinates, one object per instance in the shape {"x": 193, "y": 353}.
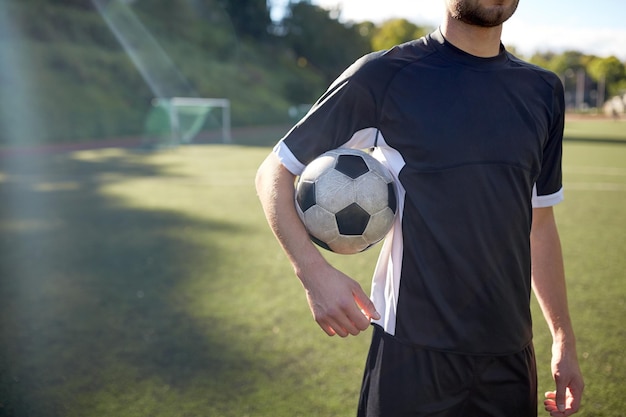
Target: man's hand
{"x": 338, "y": 303}
{"x": 565, "y": 401}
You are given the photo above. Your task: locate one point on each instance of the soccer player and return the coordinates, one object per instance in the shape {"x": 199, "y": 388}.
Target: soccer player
{"x": 473, "y": 136}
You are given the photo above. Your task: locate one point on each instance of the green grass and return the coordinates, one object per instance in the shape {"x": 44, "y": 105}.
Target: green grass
{"x": 596, "y": 130}
{"x": 148, "y": 284}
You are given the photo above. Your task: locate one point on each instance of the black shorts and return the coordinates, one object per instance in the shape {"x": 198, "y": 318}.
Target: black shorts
{"x": 404, "y": 380}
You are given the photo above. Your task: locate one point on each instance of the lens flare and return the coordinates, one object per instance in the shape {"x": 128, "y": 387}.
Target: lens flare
{"x": 155, "y": 66}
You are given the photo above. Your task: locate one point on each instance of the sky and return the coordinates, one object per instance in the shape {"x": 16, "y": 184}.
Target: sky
{"x": 593, "y": 27}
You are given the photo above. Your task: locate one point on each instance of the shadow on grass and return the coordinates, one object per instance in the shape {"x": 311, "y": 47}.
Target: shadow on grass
{"x": 93, "y": 306}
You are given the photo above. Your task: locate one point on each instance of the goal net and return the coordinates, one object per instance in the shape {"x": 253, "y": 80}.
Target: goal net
{"x": 183, "y": 120}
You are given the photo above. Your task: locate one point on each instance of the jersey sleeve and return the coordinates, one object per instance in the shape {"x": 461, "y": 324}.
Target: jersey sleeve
{"x": 346, "y": 108}
{"x": 548, "y": 190}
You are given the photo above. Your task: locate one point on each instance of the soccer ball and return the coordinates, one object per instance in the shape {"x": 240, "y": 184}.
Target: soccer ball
{"x": 346, "y": 200}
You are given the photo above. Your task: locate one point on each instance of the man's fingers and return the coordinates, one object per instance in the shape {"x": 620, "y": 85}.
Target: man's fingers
{"x": 572, "y": 402}
{"x": 550, "y": 404}
{"x": 561, "y": 394}
{"x": 344, "y": 322}
{"x": 343, "y": 329}
{"x": 327, "y": 329}
{"x": 366, "y": 305}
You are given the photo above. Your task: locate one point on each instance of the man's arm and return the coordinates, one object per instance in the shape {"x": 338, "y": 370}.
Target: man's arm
{"x": 548, "y": 278}
{"x": 337, "y": 302}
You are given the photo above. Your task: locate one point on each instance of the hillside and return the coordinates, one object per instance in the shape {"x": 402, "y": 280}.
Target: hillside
{"x": 76, "y": 70}
{"x": 65, "y": 76}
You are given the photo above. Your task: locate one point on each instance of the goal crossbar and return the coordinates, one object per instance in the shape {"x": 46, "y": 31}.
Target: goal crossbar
{"x": 198, "y": 107}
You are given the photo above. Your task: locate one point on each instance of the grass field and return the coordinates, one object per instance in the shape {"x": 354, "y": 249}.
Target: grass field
{"x": 148, "y": 284}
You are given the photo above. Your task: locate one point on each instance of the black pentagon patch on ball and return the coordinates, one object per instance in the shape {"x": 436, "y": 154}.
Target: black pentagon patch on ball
{"x": 351, "y": 165}
{"x": 352, "y": 220}
{"x": 320, "y": 243}
{"x": 306, "y": 195}
{"x": 391, "y": 195}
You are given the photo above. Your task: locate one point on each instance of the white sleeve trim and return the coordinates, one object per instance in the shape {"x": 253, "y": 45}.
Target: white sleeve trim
{"x": 288, "y": 159}
{"x": 362, "y": 139}
{"x": 539, "y": 201}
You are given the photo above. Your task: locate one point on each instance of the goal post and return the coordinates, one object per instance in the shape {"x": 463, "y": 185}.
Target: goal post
{"x": 179, "y": 120}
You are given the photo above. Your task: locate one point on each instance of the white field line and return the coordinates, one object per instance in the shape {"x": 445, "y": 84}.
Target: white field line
{"x": 616, "y": 179}
{"x": 595, "y": 186}
{"x": 609, "y": 171}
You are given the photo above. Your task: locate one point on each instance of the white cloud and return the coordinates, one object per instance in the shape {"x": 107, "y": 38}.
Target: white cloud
{"x": 418, "y": 11}
{"x": 529, "y": 38}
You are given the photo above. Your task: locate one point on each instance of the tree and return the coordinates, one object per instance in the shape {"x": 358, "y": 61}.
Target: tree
{"x": 587, "y": 79}
{"x": 542, "y": 59}
{"x": 567, "y": 61}
{"x": 319, "y": 40}
{"x": 77, "y": 4}
{"x": 394, "y": 32}
{"x": 251, "y": 18}
{"x": 610, "y": 71}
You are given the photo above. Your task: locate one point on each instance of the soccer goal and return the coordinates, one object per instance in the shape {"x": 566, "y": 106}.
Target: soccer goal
{"x": 181, "y": 120}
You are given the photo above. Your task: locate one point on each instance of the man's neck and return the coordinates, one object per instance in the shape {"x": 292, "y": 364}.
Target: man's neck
{"x": 475, "y": 40}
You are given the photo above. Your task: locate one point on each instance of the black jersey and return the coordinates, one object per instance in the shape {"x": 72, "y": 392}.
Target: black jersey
{"x": 474, "y": 144}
